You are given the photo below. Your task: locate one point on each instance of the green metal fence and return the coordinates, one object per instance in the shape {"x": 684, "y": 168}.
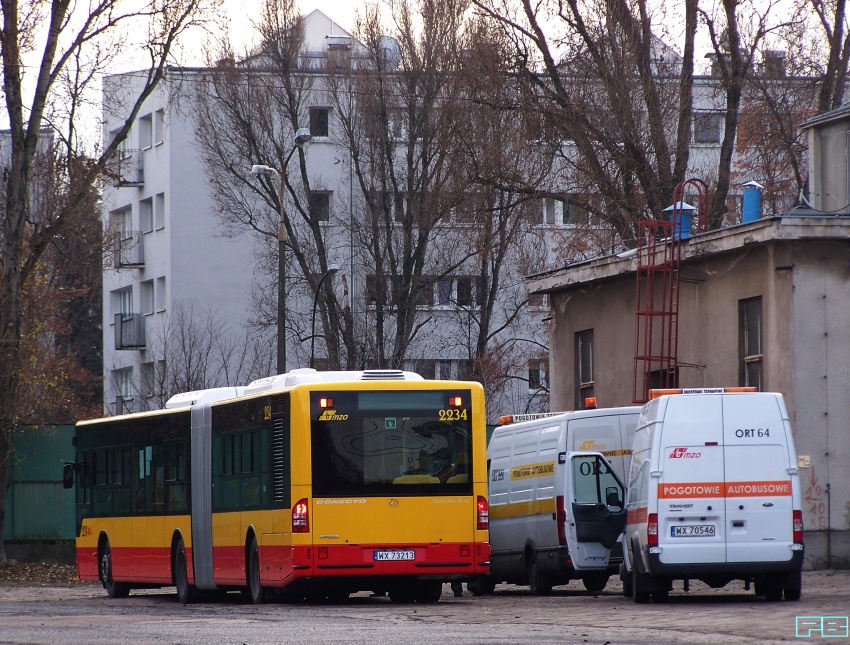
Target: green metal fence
{"x": 38, "y": 507}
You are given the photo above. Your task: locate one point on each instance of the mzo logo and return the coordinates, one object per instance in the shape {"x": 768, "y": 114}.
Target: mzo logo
{"x": 683, "y": 453}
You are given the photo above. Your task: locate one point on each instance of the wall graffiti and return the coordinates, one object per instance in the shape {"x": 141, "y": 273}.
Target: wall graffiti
{"x": 815, "y": 504}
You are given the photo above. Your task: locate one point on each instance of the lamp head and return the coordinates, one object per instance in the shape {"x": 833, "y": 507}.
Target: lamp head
{"x": 259, "y": 169}
{"x": 333, "y": 268}
{"x": 302, "y": 137}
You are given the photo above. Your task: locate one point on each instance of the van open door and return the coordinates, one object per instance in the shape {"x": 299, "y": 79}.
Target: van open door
{"x": 596, "y": 513}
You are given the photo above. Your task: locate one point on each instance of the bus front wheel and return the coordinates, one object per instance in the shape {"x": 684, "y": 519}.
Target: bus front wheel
{"x": 113, "y": 589}
{"x": 258, "y": 592}
{"x": 185, "y": 591}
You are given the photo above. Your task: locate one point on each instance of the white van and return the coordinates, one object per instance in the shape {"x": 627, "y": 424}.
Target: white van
{"x": 713, "y": 495}
{"x": 556, "y": 509}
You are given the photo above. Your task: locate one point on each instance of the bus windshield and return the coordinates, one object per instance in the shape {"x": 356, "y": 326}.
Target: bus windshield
{"x": 397, "y": 443}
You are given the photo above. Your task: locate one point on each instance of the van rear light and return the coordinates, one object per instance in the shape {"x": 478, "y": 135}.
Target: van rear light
{"x": 798, "y": 527}
{"x": 652, "y": 529}
{"x": 561, "y": 519}
{"x": 300, "y": 517}
{"x": 483, "y": 514}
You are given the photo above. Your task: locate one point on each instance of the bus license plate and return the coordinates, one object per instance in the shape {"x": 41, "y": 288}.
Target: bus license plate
{"x": 402, "y": 554}
{"x": 702, "y": 530}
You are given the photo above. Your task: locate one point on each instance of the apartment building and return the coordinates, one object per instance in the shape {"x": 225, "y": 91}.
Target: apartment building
{"x": 181, "y": 293}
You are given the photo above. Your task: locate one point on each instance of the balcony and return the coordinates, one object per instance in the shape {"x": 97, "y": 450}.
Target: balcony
{"x": 130, "y": 331}
{"x": 126, "y": 168}
{"x": 129, "y": 250}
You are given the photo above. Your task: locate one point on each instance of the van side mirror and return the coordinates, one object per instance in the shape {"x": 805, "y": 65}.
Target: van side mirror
{"x": 612, "y": 497}
{"x": 68, "y": 475}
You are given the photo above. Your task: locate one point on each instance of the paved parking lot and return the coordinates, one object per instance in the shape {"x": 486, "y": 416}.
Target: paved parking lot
{"x": 81, "y": 613}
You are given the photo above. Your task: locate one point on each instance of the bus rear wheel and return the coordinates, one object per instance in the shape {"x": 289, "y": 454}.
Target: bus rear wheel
{"x": 113, "y": 589}
{"x": 428, "y": 591}
{"x": 185, "y": 591}
{"x": 258, "y": 592}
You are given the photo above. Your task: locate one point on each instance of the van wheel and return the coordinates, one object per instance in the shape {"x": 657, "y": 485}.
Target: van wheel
{"x": 185, "y": 591}
{"x": 595, "y": 581}
{"x": 795, "y": 591}
{"x": 536, "y": 580}
{"x": 626, "y": 579}
{"x": 113, "y": 589}
{"x": 640, "y": 583}
{"x": 660, "y": 596}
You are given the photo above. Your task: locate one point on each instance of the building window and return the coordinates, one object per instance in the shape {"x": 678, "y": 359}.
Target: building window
{"x": 159, "y": 211}
{"x": 424, "y": 367}
{"x": 707, "y": 127}
{"x": 146, "y": 296}
{"x": 538, "y": 374}
{"x": 319, "y": 121}
{"x": 583, "y": 367}
{"x": 320, "y": 205}
{"x": 122, "y": 302}
{"x": 750, "y": 331}
{"x": 147, "y": 379}
{"x": 160, "y": 294}
{"x": 145, "y": 131}
{"x": 121, "y": 222}
{"x": 444, "y": 369}
{"x": 373, "y": 290}
{"x": 546, "y": 211}
{"x": 123, "y": 380}
{"x": 575, "y": 214}
{"x": 159, "y": 127}
{"x": 146, "y": 215}
{"x": 444, "y": 292}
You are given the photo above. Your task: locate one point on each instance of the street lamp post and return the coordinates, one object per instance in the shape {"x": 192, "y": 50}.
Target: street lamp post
{"x": 332, "y": 268}
{"x": 302, "y": 138}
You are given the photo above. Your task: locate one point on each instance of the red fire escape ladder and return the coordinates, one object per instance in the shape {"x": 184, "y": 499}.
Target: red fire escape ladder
{"x": 657, "y": 294}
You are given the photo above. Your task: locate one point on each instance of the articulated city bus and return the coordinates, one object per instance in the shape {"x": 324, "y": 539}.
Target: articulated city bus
{"x": 307, "y": 484}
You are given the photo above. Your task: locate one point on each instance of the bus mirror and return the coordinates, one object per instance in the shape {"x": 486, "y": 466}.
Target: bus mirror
{"x": 68, "y": 475}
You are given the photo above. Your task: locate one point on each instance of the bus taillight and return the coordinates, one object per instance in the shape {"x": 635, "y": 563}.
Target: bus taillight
{"x": 300, "y": 517}
{"x": 455, "y": 402}
{"x": 483, "y": 514}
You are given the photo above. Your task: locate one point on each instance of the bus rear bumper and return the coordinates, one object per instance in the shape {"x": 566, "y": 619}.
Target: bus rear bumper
{"x": 420, "y": 560}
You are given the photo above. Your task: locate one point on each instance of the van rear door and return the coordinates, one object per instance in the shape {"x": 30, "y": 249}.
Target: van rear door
{"x": 759, "y": 506}
{"x": 691, "y": 504}
{"x": 596, "y": 515}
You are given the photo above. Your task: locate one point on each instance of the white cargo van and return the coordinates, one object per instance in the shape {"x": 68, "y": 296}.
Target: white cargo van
{"x": 713, "y": 495}
{"x": 556, "y": 509}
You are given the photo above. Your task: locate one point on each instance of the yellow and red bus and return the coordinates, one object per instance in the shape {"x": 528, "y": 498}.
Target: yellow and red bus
{"x": 307, "y": 484}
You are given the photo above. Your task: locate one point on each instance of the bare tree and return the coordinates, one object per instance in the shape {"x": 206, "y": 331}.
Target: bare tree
{"x": 67, "y": 50}
{"x": 198, "y": 351}
{"x": 248, "y": 114}
{"x": 620, "y": 101}
{"x": 401, "y": 131}
{"x": 832, "y": 18}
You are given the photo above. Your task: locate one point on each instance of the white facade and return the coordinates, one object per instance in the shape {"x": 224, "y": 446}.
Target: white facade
{"x": 168, "y": 258}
